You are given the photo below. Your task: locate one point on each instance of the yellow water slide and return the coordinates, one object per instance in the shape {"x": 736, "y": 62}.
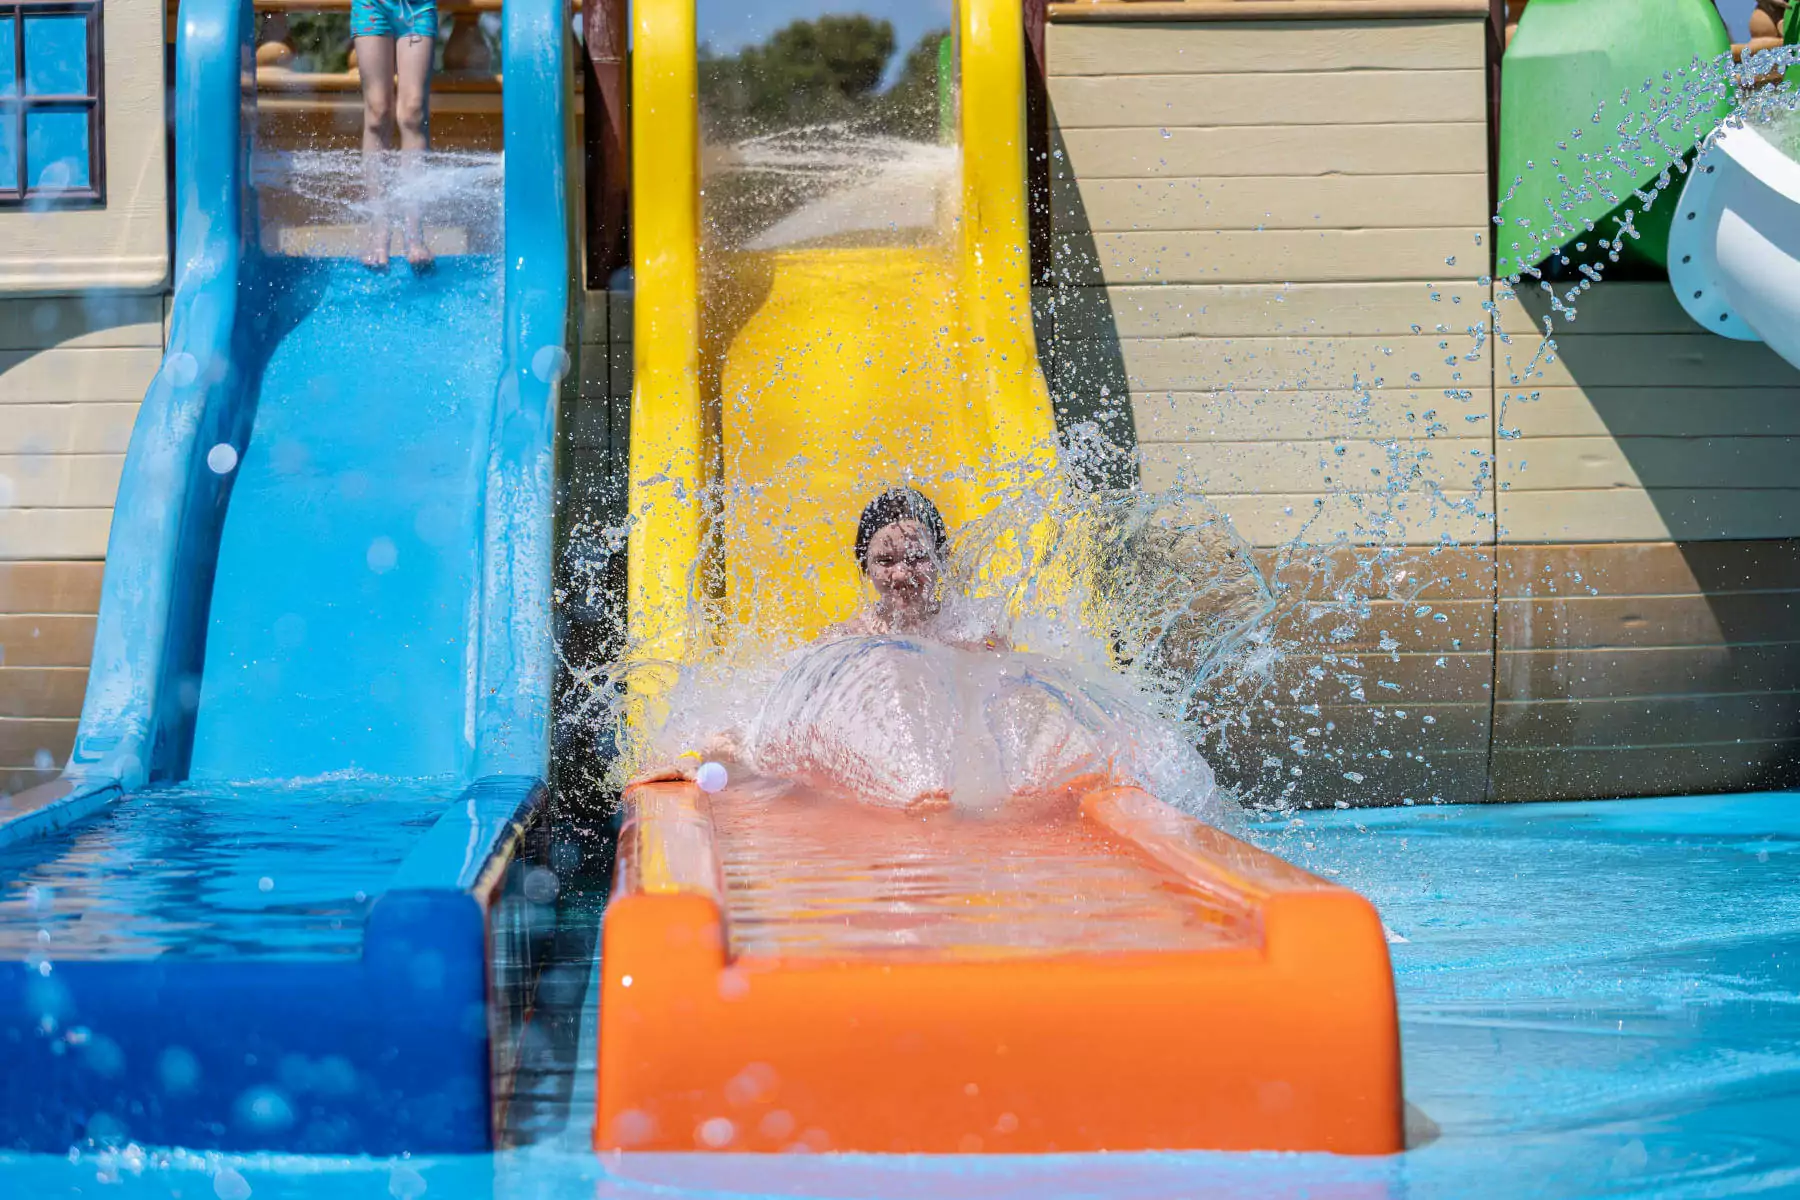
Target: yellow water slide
{"x": 797, "y": 381}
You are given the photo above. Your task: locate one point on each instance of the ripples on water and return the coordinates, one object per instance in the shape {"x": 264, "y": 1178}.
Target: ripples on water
{"x": 215, "y": 870}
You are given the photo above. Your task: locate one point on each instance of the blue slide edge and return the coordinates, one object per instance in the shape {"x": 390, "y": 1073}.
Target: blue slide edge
{"x": 169, "y": 507}
{"x": 149, "y": 635}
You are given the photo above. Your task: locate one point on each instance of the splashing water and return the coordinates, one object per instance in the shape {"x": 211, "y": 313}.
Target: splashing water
{"x": 825, "y": 185}
{"x": 1141, "y": 619}
{"x": 1120, "y": 608}
{"x": 302, "y": 190}
{"x": 1757, "y": 98}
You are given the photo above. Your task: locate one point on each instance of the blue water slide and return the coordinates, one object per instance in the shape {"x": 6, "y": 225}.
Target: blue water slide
{"x": 262, "y": 907}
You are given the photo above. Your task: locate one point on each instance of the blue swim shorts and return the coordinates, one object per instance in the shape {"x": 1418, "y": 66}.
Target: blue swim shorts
{"x": 393, "y": 18}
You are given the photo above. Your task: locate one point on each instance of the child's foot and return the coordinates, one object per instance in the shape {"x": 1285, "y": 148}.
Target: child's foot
{"x": 375, "y": 249}
{"x": 418, "y": 255}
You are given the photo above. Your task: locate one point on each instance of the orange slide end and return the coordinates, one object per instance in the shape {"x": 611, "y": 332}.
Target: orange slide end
{"x": 765, "y": 988}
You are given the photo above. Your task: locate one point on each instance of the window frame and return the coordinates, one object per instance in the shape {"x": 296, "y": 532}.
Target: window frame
{"x": 15, "y": 107}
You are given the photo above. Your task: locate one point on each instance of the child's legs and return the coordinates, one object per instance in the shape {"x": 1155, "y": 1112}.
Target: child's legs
{"x": 375, "y": 63}
{"x": 413, "y": 55}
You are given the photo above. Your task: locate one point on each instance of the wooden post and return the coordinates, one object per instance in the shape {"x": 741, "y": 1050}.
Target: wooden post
{"x": 1497, "y": 38}
{"x": 607, "y": 139}
{"x": 1037, "y": 142}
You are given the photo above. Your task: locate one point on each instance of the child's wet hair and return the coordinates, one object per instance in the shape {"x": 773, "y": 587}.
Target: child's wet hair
{"x": 899, "y": 504}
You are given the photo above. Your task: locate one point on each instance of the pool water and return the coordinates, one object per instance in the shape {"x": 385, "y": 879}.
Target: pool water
{"x": 1597, "y": 999}
{"x": 215, "y": 871}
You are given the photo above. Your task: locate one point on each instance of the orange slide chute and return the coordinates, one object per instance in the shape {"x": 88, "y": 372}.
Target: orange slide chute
{"x": 1094, "y": 973}
{"x": 1075, "y": 972}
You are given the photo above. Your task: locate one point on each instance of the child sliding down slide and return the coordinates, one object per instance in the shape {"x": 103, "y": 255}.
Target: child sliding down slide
{"x": 901, "y": 707}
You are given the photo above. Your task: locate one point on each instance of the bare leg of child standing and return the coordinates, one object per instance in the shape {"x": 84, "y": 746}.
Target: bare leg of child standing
{"x": 395, "y": 44}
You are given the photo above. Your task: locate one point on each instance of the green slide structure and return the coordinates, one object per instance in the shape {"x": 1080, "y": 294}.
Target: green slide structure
{"x": 1583, "y": 139}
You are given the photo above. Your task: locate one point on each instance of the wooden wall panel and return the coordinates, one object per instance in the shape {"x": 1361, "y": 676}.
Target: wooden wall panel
{"x": 41, "y": 691}
{"x": 1587, "y": 773}
{"x": 1294, "y": 97}
{"x": 97, "y": 428}
{"x": 1292, "y": 467}
{"x": 72, "y": 372}
{"x": 1319, "y": 363}
{"x": 1325, "y": 254}
{"x": 93, "y": 321}
{"x": 1259, "y": 47}
{"x": 1282, "y": 415}
{"x": 66, "y": 375}
{"x": 1633, "y": 424}
{"x": 1695, "y": 359}
{"x": 1380, "y": 689}
{"x": 1359, "y": 518}
{"x": 46, "y": 637}
{"x": 1283, "y": 309}
{"x": 1270, "y": 202}
{"x": 1624, "y": 412}
{"x": 1637, "y": 515}
{"x": 33, "y": 749}
{"x": 46, "y": 480}
{"x": 1264, "y": 259}
{"x": 50, "y": 587}
{"x": 1646, "y": 669}
{"x": 47, "y": 533}
{"x": 1417, "y": 147}
{"x": 47, "y": 640}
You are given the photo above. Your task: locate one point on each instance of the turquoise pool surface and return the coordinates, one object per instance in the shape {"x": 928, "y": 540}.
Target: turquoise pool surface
{"x": 1597, "y": 999}
{"x": 268, "y": 870}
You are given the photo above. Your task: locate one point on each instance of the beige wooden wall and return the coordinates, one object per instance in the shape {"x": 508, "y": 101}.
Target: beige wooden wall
{"x": 1253, "y": 221}
{"x": 81, "y": 335}
{"x": 1267, "y": 235}
{"x": 72, "y": 371}
{"x": 1649, "y": 606}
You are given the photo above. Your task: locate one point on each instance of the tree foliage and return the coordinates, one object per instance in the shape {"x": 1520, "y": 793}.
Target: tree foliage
{"x": 820, "y": 72}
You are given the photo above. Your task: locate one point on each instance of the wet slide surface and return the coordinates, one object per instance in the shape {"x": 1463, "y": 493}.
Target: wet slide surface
{"x": 809, "y": 876}
{"x": 841, "y": 381}
{"x": 348, "y": 568}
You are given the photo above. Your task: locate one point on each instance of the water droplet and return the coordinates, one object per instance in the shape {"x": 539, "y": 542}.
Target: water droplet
{"x": 182, "y": 368}
{"x": 541, "y": 885}
{"x": 382, "y": 555}
{"x": 263, "y": 1109}
{"x": 222, "y": 459}
{"x": 711, "y": 777}
{"x": 716, "y": 1132}
{"x": 550, "y": 363}
{"x": 229, "y": 1185}
{"x": 405, "y": 1182}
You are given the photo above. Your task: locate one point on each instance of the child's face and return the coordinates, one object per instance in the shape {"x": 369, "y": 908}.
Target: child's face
{"x": 903, "y": 563}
